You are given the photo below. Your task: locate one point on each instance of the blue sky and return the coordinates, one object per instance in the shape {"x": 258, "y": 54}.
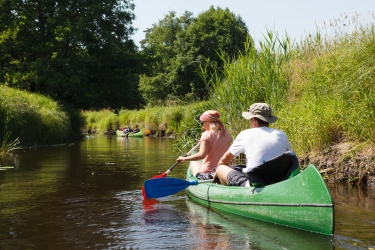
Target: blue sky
{"x": 297, "y": 18}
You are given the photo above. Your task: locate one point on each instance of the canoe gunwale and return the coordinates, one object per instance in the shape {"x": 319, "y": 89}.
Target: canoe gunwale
{"x": 138, "y": 134}
{"x": 264, "y": 204}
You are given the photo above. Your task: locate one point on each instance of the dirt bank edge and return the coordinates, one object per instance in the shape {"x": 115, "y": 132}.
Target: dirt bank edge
{"x": 349, "y": 162}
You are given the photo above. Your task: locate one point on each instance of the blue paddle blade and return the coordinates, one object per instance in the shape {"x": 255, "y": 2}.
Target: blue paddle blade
{"x": 156, "y": 188}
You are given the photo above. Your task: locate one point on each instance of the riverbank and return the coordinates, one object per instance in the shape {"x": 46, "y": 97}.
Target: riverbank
{"x": 345, "y": 162}
{"x": 31, "y": 120}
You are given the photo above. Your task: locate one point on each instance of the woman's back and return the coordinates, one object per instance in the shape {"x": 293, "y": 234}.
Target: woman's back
{"x": 218, "y": 143}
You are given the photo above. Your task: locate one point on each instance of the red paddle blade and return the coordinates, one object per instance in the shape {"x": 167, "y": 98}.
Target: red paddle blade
{"x": 144, "y": 193}
{"x": 149, "y": 204}
{"x": 159, "y": 176}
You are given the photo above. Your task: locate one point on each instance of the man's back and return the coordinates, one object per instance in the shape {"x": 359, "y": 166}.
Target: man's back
{"x": 260, "y": 145}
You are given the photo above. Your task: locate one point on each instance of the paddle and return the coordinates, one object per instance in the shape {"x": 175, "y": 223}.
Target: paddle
{"x": 168, "y": 171}
{"x": 174, "y": 165}
{"x": 156, "y": 188}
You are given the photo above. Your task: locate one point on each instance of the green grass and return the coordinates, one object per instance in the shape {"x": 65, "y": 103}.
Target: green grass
{"x": 331, "y": 97}
{"x": 322, "y": 88}
{"x": 31, "y": 119}
{"x": 172, "y": 119}
{"x": 161, "y": 121}
{"x": 256, "y": 76}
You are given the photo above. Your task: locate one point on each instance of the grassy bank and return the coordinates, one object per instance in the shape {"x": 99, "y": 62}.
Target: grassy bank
{"x": 31, "y": 120}
{"x": 161, "y": 121}
{"x": 323, "y": 90}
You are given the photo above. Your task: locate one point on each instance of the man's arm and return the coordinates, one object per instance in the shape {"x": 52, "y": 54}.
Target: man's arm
{"x": 226, "y": 158}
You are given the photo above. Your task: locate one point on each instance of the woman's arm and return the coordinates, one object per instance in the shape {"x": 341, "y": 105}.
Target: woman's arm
{"x": 203, "y": 151}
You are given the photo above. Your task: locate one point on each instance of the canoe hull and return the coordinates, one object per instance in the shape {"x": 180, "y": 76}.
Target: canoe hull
{"x": 139, "y": 134}
{"x": 119, "y": 133}
{"x": 302, "y": 202}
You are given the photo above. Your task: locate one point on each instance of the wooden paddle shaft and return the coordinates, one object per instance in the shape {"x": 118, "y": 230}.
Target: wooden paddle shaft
{"x": 187, "y": 154}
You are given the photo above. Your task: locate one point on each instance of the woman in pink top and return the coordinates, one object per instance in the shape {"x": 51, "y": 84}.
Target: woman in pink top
{"x": 214, "y": 142}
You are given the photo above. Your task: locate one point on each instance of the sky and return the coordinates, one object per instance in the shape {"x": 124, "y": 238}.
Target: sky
{"x": 297, "y": 18}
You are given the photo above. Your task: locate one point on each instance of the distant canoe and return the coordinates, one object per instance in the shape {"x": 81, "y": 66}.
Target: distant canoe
{"x": 139, "y": 134}
{"x": 119, "y": 133}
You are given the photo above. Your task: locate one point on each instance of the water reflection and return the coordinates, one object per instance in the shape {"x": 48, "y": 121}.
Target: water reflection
{"x": 354, "y": 216}
{"x": 87, "y": 195}
{"x": 233, "y": 232}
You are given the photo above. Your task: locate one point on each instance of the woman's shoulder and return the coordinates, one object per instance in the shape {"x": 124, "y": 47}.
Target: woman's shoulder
{"x": 208, "y": 134}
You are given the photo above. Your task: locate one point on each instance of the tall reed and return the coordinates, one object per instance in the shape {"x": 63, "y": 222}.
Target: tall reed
{"x": 331, "y": 98}
{"x": 255, "y": 76}
{"x": 8, "y": 144}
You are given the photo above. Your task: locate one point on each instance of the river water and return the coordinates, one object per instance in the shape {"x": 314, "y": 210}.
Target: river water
{"x": 88, "y": 196}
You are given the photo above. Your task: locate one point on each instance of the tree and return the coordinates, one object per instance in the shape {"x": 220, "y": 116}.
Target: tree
{"x": 72, "y": 50}
{"x": 177, "y": 47}
{"x": 161, "y": 46}
{"x": 215, "y": 33}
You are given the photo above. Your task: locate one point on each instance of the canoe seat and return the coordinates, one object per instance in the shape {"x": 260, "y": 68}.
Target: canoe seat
{"x": 280, "y": 168}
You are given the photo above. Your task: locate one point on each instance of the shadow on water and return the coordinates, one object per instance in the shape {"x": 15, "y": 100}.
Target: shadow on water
{"x": 87, "y": 196}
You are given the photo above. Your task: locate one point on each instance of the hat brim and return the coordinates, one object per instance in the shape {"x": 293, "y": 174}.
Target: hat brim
{"x": 269, "y": 119}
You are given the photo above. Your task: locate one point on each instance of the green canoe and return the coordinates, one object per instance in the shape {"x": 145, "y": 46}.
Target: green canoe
{"x": 139, "y": 134}
{"x": 302, "y": 201}
{"x": 119, "y": 133}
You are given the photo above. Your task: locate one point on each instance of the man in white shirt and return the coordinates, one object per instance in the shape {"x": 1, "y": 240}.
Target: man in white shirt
{"x": 260, "y": 143}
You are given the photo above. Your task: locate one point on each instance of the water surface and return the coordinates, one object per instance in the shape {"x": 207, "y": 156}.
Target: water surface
{"x": 87, "y": 196}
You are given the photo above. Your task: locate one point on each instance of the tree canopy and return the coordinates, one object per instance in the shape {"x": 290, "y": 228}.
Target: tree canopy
{"x": 177, "y": 47}
{"x": 81, "y": 52}
{"x": 73, "y": 50}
